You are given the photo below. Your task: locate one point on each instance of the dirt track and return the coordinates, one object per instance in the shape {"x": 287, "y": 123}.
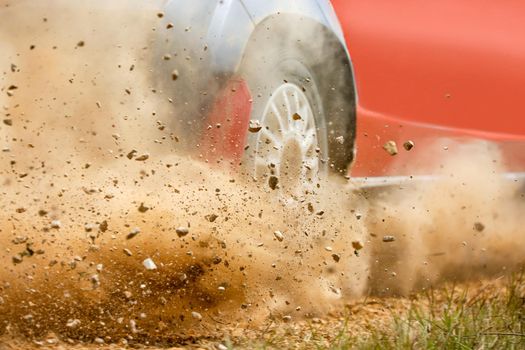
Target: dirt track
{"x": 370, "y": 322}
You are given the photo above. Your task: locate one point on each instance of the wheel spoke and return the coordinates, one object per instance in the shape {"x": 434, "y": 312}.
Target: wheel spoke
{"x": 301, "y": 124}
{"x": 297, "y": 103}
{"x": 305, "y": 114}
{"x": 278, "y": 116}
{"x": 309, "y": 140}
{"x": 273, "y": 138}
{"x": 287, "y": 106}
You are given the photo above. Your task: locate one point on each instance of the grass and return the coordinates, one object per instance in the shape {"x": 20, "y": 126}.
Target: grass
{"x": 462, "y": 319}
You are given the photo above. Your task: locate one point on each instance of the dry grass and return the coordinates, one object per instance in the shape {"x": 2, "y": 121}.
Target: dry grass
{"x": 490, "y": 317}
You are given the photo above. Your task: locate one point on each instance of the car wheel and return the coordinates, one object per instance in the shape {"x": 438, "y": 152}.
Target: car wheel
{"x": 288, "y": 138}
{"x": 295, "y": 137}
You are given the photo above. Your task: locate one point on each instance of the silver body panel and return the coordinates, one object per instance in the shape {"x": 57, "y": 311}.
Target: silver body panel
{"x": 225, "y": 26}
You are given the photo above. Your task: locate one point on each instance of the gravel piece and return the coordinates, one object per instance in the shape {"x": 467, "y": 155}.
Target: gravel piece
{"x": 211, "y": 217}
{"x": 149, "y": 264}
{"x": 174, "y": 75}
{"x": 310, "y": 207}
{"x": 279, "y": 235}
{"x": 20, "y": 240}
{"x": 255, "y": 126}
{"x": 196, "y": 315}
{"x": 296, "y": 116}
{"x": 142, "y": 208}
{"x": 95, "y": 280}
{"x": 131, "y": 154}
{"x": 478, "y": 226}
{"x": 103, "y": 227}
{"x": 336, "y": 257}
{"x": 10, "y": 90}
{"x": 73, "y": 323}
{"x": 408, "y": 145}
{"x": 142, "y": 158}
{"x": 17, "y": 259}
{"x": 133, "y": 233}
{"x": 357, "y": 245}
{"x": 388, "y": 239}
{"x": 89, "y": 227}
{"x": 133, "y": 326}
{"x": 127, "y": 252}
{"x": 182, "y": 231}
{"x": 340, "y": 140}
{"x": 56, "y": 224}
{"x": 390, "y": 147}
{"x": 273, "y": 181}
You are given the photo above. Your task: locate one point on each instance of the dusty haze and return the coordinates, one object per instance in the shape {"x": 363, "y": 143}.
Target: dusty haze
{"x": 72, "y": 201}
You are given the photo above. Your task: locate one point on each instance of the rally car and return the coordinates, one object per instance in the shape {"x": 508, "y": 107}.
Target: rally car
{"x": 293, "y": 89}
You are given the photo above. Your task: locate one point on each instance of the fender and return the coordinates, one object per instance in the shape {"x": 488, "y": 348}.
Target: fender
{"x": 234, "y": 21}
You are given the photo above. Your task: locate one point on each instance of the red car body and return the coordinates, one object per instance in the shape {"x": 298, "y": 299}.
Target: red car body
{"x": 435, "y": 70}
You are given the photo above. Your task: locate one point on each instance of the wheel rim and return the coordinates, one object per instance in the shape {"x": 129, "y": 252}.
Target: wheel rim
{"x": 287, "y": 146}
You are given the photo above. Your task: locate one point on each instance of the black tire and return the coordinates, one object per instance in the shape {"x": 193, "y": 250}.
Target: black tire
{"x": 282, "y": 49}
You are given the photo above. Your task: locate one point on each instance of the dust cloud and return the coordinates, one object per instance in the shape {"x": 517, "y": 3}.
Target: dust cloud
{"x": 108, "y": 230}
{"x": 465, "y": 225}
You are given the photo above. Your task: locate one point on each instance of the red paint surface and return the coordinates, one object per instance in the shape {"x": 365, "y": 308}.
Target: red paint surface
{"x": 228, "y": 122}
{"x": 432, "y": 145}
{"x": 434, "y": 69}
